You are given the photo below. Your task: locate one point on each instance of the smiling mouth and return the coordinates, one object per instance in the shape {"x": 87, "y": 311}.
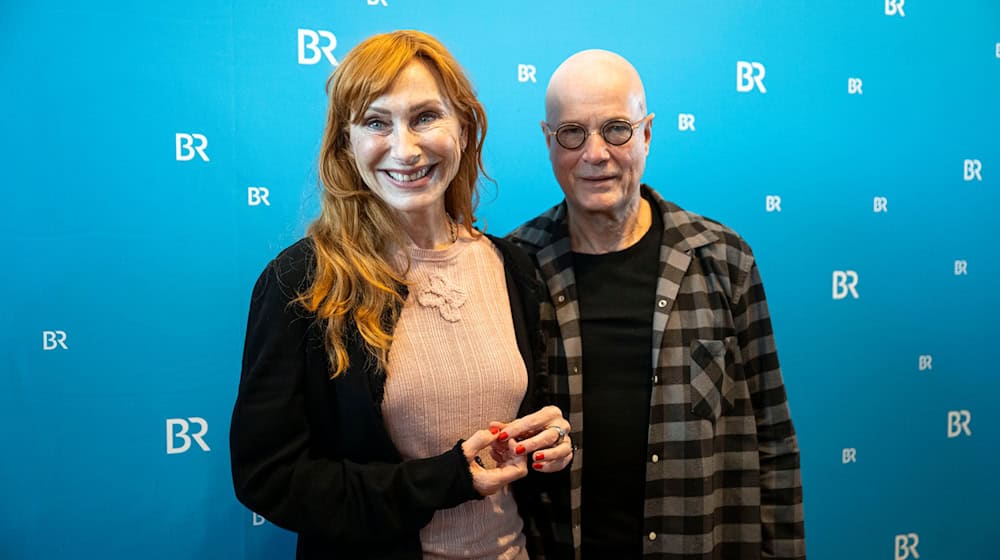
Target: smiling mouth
{"x": 409, "y": 177}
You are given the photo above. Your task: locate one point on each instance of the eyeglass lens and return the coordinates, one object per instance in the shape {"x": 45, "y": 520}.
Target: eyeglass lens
{"x": 572, "y": 136}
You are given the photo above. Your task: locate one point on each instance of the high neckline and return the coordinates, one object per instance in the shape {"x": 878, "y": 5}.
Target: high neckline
{"x": 447, "y": 253}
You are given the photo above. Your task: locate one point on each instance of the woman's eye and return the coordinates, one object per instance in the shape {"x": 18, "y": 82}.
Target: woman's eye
{"x": 376, "y": 125}
{"x": 426, "y": 118}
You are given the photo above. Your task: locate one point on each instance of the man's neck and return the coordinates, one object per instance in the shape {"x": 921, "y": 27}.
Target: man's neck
{"x": 599, "y": 233}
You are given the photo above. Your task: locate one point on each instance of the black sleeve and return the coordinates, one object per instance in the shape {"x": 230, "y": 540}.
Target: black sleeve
{"x": 276, "y": 471}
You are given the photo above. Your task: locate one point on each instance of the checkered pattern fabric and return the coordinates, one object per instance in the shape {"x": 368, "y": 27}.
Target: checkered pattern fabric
{"x": 722, "y": 470}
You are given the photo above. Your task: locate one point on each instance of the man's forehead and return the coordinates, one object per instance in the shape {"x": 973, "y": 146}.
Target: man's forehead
{"x": 594, "y": 87}
{"x": 595, "y": 109}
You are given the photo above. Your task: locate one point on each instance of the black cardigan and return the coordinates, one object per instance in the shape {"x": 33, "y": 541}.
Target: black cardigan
{"x": 312, "y": 455}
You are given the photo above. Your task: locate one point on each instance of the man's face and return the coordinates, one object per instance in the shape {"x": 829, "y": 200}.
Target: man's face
{"x": 599, "y": 177}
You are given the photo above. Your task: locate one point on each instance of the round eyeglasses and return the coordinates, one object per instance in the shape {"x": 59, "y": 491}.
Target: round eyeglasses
{"x": 615, "y": 132}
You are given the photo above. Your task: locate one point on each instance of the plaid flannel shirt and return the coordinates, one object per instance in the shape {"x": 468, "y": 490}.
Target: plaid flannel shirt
{"x": 722, "y": 462}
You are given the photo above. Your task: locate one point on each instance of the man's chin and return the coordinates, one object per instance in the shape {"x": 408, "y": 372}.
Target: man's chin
{"x": 610, "y": 203}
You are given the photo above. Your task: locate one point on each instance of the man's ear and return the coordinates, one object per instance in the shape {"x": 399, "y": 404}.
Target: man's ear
{"x": 545, "y": 131}
{"x": 647, "y": 130}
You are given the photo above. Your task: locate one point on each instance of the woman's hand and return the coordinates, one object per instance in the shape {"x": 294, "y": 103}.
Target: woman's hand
{"x": 510, "y": 467}
{"x": 542, "y": 436}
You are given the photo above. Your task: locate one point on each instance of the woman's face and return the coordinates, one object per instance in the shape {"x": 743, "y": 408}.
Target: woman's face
{"x": 409, "y": 143}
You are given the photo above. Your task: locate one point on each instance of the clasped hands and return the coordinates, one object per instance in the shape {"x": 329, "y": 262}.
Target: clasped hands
{"x": 539, "y": 441}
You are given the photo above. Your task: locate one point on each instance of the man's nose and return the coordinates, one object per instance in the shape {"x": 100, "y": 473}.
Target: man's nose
{"x": 595, "y": 148}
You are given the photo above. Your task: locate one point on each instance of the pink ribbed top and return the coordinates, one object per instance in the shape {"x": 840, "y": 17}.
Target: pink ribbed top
{"x": 453, "y": 367}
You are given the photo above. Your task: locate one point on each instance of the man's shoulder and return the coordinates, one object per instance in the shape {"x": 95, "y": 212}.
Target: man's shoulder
{"x": 540, "y": 230}
{"x": 689, "y": 230}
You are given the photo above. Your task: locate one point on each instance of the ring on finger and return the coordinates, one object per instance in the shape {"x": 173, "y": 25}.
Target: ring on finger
{"x": 562, "y": 433}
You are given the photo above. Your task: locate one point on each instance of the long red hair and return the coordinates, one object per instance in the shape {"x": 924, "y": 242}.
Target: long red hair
{"x": 355, "y": 282}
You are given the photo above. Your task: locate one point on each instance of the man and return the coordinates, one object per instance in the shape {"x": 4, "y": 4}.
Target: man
{"x": 661, "y": 349}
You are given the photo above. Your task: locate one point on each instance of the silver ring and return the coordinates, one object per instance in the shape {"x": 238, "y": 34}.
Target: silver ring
{"x": 562, "y": 433}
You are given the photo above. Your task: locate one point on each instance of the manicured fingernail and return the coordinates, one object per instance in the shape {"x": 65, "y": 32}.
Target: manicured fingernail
{"x": 502, "y": 436}
{"x": 494, "y": 430}
{"x": 537, "y": 466}
{"x": 539, "y": 456}
{"x": 519, "y": 450}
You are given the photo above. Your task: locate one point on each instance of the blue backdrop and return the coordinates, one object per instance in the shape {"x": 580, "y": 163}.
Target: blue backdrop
{"x": 157, "y": 155}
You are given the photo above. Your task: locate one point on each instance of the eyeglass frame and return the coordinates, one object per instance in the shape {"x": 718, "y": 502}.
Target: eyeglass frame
{"x": 632, "y": 126}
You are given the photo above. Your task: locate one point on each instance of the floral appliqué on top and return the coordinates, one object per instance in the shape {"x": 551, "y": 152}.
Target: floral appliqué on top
{"x": 442, "y": 293}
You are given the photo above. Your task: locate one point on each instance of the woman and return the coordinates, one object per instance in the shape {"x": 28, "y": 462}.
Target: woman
{"x": 333, "y": 436}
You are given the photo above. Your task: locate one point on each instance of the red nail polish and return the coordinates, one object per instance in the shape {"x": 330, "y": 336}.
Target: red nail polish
{"x": 537, "y": 466}
{"x": 494, "y": 430}
{"x": 519, "y": 449}
{"x": 539, "y": 456}
{"x": 502, "y": 436}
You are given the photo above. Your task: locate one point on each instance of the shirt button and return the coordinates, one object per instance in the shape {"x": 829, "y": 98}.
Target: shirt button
{"x": 655, "y": 458}
{"x": 561, "y": 298}
{"x": 655, "y": 379}
{"x": 662, "y": 303}
{"x": 652, "y": 536}
{"x": 576, "y": 369}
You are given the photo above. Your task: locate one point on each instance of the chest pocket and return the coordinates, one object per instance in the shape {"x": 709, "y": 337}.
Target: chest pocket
{"x": 715, "y": 377}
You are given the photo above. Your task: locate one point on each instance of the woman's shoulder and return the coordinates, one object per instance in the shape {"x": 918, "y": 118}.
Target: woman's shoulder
{"x": 295, "y": 260}
{"x": 514, "y": 257}
{"x": 291, "y": 270}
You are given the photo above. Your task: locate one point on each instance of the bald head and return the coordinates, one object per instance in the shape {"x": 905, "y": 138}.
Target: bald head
{"x": 589, "y": 75}
{"x": 597, "y": 91}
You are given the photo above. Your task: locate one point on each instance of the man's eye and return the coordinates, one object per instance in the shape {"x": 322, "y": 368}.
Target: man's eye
{"x": 618, "y": 128}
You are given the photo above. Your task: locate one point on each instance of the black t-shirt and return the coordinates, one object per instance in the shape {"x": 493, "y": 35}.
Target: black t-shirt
{"x": 617, "y": 296}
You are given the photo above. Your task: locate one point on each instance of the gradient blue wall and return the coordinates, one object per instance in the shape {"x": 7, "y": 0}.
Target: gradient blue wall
{"x": 128, "y": 268}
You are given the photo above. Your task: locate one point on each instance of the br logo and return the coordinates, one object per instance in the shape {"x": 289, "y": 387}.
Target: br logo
{"x": 880, "y": 204}
{"x": 526, "y": 73}
{"x": 320, "y": 43}
{"x": 906, "y": 546}
{"x": 257, "y": 519}
{"x": 854, "y": 86}
{"x": 972, "y": 170}
{"x": 257, "y": 196}
{"x": 845, "y": 283}
{"x": 925, "y": 362}
{"x": 849, "y": 455}
{"x": 958, "y": 423}
{"x": 685, "y": 121}
{"x": 177, "y": 431}
{"x": 893, "y": 7}
{"x": 53, "y": 340}
{"x": 187, "y": 148}
{"x": 750, "y": 75}
{"x": 772, "y": 203}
